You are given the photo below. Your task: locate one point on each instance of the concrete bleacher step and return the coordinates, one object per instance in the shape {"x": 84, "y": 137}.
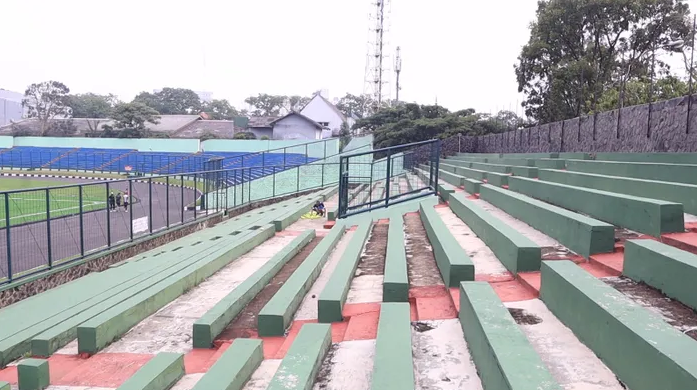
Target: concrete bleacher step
{"x": 211, "y": 324}
{"x": 579, "y": 233}
{"x": 515, "y": 251}
{"x": 114, "y": 160}
{"x": 677, "y": 173}
{"x": 627, "y": 337}
{"x": 234, "y": 368}
{"x": 395, "y": 286}
{"x": 649, "y": 216}
{"x": 301, "y": 364}
{"x": 393, "y": 352}
{"x": 452, "y": 261}
{"x": 160, "y": 373}
{"x": 501, "y": 352}
{"x": 686, "y": 194}
{"x": 331, "y": 300}
{"x": 666, "y": 268}
{"x": 55, "y": 160}
{"x": 275, "y": 317}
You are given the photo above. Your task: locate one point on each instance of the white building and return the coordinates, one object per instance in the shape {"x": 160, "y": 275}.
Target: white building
{"x": 322, "y": 111}
{"x": 11, "y": 109}
{"x": 298, "y": 126}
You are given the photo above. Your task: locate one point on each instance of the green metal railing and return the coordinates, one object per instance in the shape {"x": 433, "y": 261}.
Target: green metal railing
{"x": 44, "y": 227}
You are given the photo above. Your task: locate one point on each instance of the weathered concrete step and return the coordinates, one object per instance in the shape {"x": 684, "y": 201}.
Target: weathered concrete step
{"x": 277, "y": 314}
{"x": 686, "y": 194}
{"x": 444, "y": 188}
{"x": 669, "y": 269}
{"x": 501, "y": 352}
{"x": 668, "y": 158}
{"x": 515, "y": 251}
{"x": 234, "y": 368}
{"x": 393, "y": 349}
{"x": 626, "y": 336}
{"x": 395, "y": 285}
{"x": 332, "y": 298}
{"x": 33, "y": 374}
{"x": 214, "y": 321}
{"x": 678, "y": 173}
{"x": 649, "y": 216}
{"x": 99, "y": 331}
{"x": 160, "y": 373}
{"x": 304, "y": 358}
{"x": 579, "y": 233}
{"x": 452, "y": 261}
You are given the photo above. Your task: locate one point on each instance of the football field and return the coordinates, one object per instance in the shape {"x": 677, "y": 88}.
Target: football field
{"x": 31, "y": 205}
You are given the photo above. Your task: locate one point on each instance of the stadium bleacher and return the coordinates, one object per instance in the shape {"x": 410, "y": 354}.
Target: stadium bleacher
{"x": 165, "y": 163}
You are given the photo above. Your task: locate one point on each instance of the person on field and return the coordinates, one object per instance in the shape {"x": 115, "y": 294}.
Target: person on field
{"x": 118, "y": 200}
{"x": 125, "y": 201}
{"x": 318, "y": 208}
{"x": 112, "y": 202}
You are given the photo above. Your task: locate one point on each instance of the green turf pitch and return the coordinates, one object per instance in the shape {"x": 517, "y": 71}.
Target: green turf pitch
{"x": 30, "y": 205}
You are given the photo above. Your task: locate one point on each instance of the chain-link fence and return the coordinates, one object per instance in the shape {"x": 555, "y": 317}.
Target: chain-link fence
{"x": 45, "y": 227}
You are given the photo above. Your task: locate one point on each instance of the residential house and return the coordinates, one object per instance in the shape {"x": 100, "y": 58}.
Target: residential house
{"x": 322, "y": 111}
{"x": 11, "y": 109}
{"x": 261, "y": 126}
{"x": 295, "y": 125}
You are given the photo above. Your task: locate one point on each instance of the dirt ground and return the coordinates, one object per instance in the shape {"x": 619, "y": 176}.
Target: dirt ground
{"x": 522, "y": 317}
{"x": 675, "y": 313}
{"x": 622, "y": 235}
{"x": 247, "y": 319}
{"x": 373, "y": 259}
{"x": 421, "y": 264}
{"x": 322, "y": 380}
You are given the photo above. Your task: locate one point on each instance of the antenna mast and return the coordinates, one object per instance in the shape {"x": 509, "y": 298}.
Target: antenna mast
{"x": 376, "y": 83}
{"x": 397, "y": 70}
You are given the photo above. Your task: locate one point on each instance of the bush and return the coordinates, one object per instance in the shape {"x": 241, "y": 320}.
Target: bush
{"x": 264, "y": 138}
{"x": 245, "y": 135}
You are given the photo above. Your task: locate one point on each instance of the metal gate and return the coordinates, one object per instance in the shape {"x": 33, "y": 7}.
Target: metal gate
{"x": 383, "y": 177}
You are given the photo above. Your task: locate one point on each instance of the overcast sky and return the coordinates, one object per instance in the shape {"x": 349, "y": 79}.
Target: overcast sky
{"x": 460, "y": 52}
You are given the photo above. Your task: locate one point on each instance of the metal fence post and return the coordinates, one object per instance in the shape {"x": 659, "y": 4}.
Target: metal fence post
{"x": 48, "y": 229}
{"x": 167, "y": 201}
{"x": 130, "y": 209}
{"x": 437, "y": 163}
{"x": 323, "y": 174}
{"x": 108, "y": 219}
{"x": 298, "y": 177}
{"x": 82, "y": 225}
{"x": 273, "y": 189}
{"x": 150, "y": 203}
{"x": 196, "y": 194}
{"x": 8, "y": 237}
{"x": 183, "y": 204}
{"x": 306, "y": 157}
{"x": 387, "y": 178}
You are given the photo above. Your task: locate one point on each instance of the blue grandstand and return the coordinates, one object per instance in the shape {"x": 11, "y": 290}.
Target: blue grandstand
{"x": 152, "y": 163}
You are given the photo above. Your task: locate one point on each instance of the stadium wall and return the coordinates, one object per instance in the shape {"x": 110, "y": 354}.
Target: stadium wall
{"x": 316, "y": 150}
{"x": 6, "y": 141}
{"x": 144, "y": 145}
{"x": 663, "y": 126}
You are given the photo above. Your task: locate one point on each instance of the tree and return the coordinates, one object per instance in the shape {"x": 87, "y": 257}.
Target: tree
{"x": 46, "y": 101}
{"x": 358, "y": 105}
{"x": 296, "y": 102}
{"x": 245, "y": 135}
{"x": 220, "y": 110}
{"x": 172, "y": 101}
{"x": 344, "y": 136}
{"x": 637, "y": 92}
{"x": 131, "y": 119}
{"x": 266, "y": 105}
{"x": 93, "y": 107}
{"x": 580, "y": 48}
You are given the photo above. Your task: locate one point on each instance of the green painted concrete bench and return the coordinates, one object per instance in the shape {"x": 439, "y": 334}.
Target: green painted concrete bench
{"x": 160, "y": 373}
{"x": 278, "y": 313}
{"x": 515, "y": 251}
{"x": 234, "y": 368}
{"x": 4, "y": 386}
{"x": 531, "y": 172}
{"x": 333, "y": 296}
{"x": 504, "y": 358}
{"x": 497, "y": 179}
{"x": 669, "y": 191}
{"x": 668, "y": 158}
{"x": 468, "y": 172}
{"x": 444, "y": 188}
{"x": 664, "y": 267}
{"x": 451, "y": 178}
{"x": 215, "y": 320}
{"x": 649, "y": 216}
{"x": 468, "y": 158}
{"x": 393, "y": 364}
{"x": 677, "y": 173}
{"x": 530, "y": 155}
{"x": 547, "y": 163}
{"x": 644, "y": 351}
{"x": 452, "y": 261}
{"x": 472, "y": 186}
{"x": 99, "y": 331}
{"x": 454, "y": 163}
{"x": 33, "y": 374}
{"x": 579, "y": 233}
{"x": 395, "y": 286}
{"x": 304, "y": 358}
{"x": 574, "y": 156}
{"x": 295, "y": 213}
{"x": 58, "y": 330}
{"x": 496, "y": 168}
{"x": 519, "y": 162}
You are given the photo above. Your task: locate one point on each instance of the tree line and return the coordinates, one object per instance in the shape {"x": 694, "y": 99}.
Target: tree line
{"x": 51, "y": 100}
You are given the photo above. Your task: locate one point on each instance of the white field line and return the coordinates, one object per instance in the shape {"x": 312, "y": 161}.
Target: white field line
{"x": 55, "y": 210}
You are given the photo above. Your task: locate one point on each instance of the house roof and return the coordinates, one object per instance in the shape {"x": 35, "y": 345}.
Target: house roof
{"x": 82, "y": 125}
{"x": 261, "y": 121}
{"x": 172, "y": 123}
{"x": 317, "y": 125}
{"x": 327, "y": 102}
{"x": 219, "y": 128}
